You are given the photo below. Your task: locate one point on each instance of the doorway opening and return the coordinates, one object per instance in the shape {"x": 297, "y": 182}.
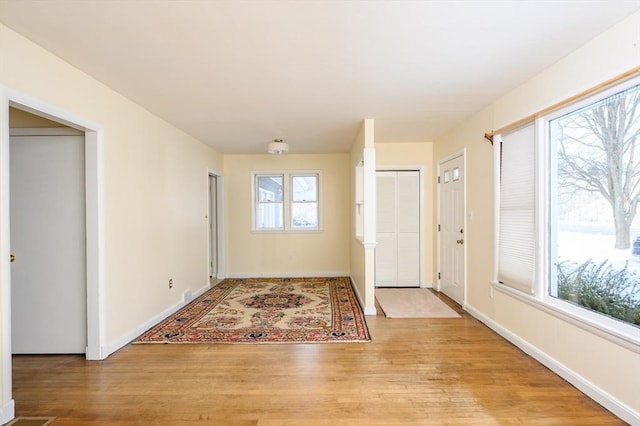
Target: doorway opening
{"x": 24, "y": 109}
{"x": 94, "y": 227}
{"x": 48, "y": 238}
{"x": 215, "y": 217}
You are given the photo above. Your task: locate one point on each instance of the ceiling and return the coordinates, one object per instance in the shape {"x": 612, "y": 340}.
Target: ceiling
{"x": 237, "y": 74}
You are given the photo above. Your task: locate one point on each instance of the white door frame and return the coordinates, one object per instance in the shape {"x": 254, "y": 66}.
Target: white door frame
{"x": 46, "y": 136}
{"x": 462, "y": 153}
{"x": 420, "y": 170}
{"x": 94, "y": 180}
{"x": 219, "y": 222}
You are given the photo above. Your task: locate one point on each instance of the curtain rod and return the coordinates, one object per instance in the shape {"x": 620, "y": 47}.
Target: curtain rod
{"x": 625, "y": 75}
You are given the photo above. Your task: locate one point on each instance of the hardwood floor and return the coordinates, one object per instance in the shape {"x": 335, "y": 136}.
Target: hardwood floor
{"x": 414, "y": 372}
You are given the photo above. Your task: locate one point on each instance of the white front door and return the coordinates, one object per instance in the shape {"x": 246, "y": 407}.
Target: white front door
{"x": 48, "y": 238}
{"x": 397, "y": 255}
{"x": 452, "y": 235}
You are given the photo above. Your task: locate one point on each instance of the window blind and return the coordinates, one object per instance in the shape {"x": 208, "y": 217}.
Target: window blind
{"x": 517, "y": 218}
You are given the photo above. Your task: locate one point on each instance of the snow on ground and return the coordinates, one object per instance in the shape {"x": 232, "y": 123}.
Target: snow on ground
{"x": 581, "y": 246}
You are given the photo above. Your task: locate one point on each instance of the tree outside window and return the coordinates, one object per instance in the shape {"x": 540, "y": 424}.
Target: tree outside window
{"x": 596, "y": 190}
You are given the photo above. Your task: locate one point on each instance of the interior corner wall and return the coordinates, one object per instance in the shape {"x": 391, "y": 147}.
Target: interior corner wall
{"x": 313, "y": 253}
{"x": 604, "y": 370}
{"x": 155, "y": 191}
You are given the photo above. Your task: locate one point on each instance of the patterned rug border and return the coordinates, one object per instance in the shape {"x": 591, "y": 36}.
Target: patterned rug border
{"x": 197, "y": 309}
{"x": 31, "y": 421}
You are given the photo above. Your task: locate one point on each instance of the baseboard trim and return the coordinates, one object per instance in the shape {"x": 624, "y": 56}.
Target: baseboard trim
{"x": 287, "y": 275}
{"x": 131, "y": 336}
{"x": 602, "y": 397}
{"x": 8, "y": 412}
{"x": 368, "y": 311}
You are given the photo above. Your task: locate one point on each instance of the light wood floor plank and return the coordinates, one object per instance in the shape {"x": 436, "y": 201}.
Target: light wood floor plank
{"x": 414, "y": 372}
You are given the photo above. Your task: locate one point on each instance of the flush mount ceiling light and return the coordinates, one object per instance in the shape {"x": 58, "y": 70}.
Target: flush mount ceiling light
{"x": 278, "y": 147}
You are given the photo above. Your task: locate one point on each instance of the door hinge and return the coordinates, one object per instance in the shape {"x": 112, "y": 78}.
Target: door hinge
{"x": 438, "y": 227}
{"x": 438, "y": 275}
{"x": 438, "y": 179}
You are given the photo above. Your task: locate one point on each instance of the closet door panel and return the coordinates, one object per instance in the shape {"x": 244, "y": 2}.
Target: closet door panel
{"x": 408, "y": 260}
{"x": 386, "y": 258}
{"x": 386, "y": 212}
{"x": 408, "y": 187}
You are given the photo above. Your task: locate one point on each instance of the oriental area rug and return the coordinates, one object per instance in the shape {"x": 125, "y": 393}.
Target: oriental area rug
{"x": 267, "y": 310}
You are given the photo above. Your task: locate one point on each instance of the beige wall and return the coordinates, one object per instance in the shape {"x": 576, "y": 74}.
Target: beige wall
{"x": 417, "y": 154}
{"x": 357, "y": 265}
{"x": 155, "y": 191}
{"x": 250, "y": 253}
{"x": 23, "y": 119}
{"x": 590, "y": 359}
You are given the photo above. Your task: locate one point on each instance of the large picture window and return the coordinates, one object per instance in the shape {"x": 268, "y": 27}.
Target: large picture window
{"x": 568, "y": 188}
{"x": 594, "y": 190}
{"x": 286, "y": 201}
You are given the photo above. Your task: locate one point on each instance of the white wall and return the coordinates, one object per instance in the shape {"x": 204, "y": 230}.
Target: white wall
{"x": 607, "y": 372}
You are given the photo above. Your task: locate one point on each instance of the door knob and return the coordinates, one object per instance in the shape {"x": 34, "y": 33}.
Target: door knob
{"x": 12, "y": 258}
{"x": 460, "y": 241}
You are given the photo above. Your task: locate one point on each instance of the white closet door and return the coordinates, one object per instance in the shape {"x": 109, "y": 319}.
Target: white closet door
{"x": 408, "y": 229}
{"x": 386, "y": 260}
{"x": 398, "y": 229}
{"x": 386, "y": 228}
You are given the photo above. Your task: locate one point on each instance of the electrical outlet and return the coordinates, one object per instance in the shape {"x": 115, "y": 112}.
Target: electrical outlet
{"x": 170, "y": 282}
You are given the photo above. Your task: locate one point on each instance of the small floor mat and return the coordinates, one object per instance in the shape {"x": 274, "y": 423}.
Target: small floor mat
{"x": 31, "y": 421}
{"x": 412, "y": 303}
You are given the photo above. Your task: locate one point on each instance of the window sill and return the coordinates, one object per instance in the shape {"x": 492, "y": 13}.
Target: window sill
{"x": 630, "y": 341}
{"x": 287, "y": 231}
